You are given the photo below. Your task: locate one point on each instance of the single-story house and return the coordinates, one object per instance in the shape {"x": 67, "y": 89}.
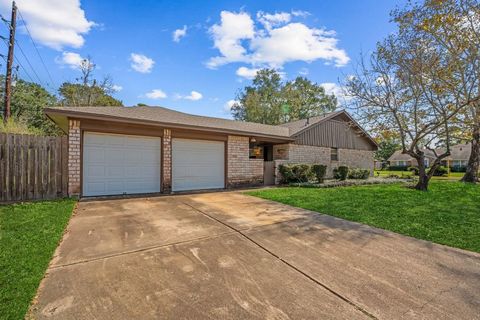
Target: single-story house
{"x": 459, "y": 156}
{"x": 127, "y": 150}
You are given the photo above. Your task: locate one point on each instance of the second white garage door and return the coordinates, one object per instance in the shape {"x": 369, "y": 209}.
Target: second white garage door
{"x": 197, "y": 164}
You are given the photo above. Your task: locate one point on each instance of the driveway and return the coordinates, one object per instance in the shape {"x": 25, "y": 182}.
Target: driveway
{"x": 231, "y": 256}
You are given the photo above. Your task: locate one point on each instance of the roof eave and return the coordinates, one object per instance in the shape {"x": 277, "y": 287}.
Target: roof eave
{"x": 50, "y": 112}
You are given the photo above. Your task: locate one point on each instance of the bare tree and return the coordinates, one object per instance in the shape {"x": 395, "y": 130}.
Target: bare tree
{"x": 454, "y": 28}
{"x": 407, "y": 85}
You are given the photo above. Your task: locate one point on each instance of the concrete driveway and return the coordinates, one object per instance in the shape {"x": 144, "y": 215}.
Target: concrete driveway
{"x": 231, "y": 256}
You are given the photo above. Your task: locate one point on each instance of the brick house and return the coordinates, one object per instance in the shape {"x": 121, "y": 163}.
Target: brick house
{"x": 459, "y": 155}
{"x": 127, "y": 150}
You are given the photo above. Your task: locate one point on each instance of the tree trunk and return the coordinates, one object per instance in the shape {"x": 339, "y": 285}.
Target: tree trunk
{"x": 471, "y": 175}
{"x": 423, "y": 177}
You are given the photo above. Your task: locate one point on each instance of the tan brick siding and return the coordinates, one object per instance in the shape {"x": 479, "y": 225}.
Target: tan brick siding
{"x": 242, "y": 170}
{"x": 74, "y": 157}
{"x": 293, "y": 153}
{"x": 167, "y": 161}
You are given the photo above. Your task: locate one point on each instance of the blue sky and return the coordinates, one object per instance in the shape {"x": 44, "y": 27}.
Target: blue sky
{"x": 217, "y": 48}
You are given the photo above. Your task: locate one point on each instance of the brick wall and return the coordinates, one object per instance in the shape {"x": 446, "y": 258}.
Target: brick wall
{"x": 167, "y": 161}
{"x": 293, "y": 153}
{"x": 356, "y": 159}
{"x": 74, "y": 157}
{"x": 242, "y": 171}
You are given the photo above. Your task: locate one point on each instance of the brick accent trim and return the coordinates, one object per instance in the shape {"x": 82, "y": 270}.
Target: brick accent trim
{"x": 74, "y": 157}
{"x": 167, "y": 161}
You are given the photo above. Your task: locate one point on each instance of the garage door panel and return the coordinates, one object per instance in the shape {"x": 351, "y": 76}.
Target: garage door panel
{"x": 197, "y": 164}
{"x": 118, "y": 164}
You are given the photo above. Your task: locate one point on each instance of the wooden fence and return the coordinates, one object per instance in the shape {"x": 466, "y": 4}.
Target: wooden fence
{"x": 32, "y": 167}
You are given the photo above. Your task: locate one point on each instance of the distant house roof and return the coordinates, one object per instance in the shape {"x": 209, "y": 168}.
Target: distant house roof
{"x": 458, "y": 152}
{"x": 172, "y": 118}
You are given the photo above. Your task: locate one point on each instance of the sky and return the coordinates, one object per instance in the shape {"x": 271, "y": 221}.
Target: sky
{"x": 193, "y": 56}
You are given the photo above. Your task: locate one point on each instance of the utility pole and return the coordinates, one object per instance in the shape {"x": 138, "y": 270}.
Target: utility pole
{"x": 8, "y": 78}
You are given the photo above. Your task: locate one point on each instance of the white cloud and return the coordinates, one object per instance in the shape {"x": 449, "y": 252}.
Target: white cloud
{"x": 156, "y": 94}
{"x": 300, "y": 13}
{"x": 227, "y": 37}
{"x": 248, "y": 73}
{"x": 337, "y": 90}
{"x": 229, "y": 104}
{"x": 71, "y": 59}
{"x": 117, "y": 88}
{"x": 194, "y": 96}
{"x": 179, "y": 34}
{"x": 303, "y": 72}
{"x": 141, "y": 63}
{"x": 53, "y": 23}
{"x": 279, "y": 41}
{"x": 270, "y": 20}
{"x": 297, "y": 42}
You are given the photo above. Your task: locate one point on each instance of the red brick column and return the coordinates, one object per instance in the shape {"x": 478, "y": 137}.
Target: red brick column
{"x": 73, "y": 157}
{"x": 167, "y": 161}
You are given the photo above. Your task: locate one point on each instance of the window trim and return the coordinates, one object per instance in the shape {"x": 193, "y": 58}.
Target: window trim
{"x": 333, "y": 154}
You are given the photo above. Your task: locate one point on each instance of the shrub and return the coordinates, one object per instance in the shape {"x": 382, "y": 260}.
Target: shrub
{"x": 340, "y": 173}
{"x": 358, "y": 174}
{"x": 397, "y": 168}
{"x": 319, "y": 170}
{"x": 441, "y": 171}
{"x": 294, "y": 173}
{"x": 413, "y": 170}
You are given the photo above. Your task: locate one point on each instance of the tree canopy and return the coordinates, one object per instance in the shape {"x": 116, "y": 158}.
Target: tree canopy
{"x": 88, "y": 91}
{"x": 29, "y": 100}
{"x": 268, "y": 100}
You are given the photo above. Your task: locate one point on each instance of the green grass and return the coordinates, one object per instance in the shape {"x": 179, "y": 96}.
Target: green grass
{"x": 29, "y": 234}
{"x": 450, "y": 176}
{"x": 449, "y": 213}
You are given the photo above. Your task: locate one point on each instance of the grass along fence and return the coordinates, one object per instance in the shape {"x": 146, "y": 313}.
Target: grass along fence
{"x": 32, "y": 167}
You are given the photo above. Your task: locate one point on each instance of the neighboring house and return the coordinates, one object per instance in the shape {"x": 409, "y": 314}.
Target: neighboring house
{"x": 125, "y": 150}
{"x": 459, "y": 156}
{"x": 399, "y": 159}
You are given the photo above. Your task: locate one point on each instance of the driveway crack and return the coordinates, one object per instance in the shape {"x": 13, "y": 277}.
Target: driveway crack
{"x": 290, "y": 265}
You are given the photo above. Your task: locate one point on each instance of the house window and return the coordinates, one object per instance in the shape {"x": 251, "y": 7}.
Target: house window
{"x": 426, "y": 162}
{"x": 334, "y": 154}
{"x": 402, "y": 163}
{"x": 255, "y": 151}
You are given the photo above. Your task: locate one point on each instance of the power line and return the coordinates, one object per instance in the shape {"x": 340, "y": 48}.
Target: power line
{"x": 36, "y": 48}
{"x": 28, "y": 61}
{"x": 16, "y": 59}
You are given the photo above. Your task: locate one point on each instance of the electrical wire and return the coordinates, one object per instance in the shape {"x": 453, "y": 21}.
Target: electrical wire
{"x": 36, "y": 48}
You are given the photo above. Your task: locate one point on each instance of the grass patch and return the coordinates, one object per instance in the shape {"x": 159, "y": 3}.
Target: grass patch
{"x": 449, "y": 213}
{"x": 29, "y": 234}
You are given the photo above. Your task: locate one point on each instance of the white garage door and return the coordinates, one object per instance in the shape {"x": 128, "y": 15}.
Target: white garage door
{"x": 197, "y": 164}
{"x": 120, "y": 164}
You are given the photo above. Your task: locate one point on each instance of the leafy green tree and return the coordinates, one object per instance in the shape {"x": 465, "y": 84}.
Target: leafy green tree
{"x": 88, "y": 91}
{"x": 270, "y": 101}
{"x": 262, "y": 101}
{"x": 27, "y": 107}
{"x": 306, "y": 99}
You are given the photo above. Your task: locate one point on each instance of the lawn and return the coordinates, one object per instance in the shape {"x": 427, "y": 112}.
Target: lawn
{"x": 449, "y": 213}
{"x": 29, "y": 234}
{"x": 450, "y": 176}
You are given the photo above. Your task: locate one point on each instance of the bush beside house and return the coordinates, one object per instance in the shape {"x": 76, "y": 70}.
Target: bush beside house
{"x": 304, "y": 173}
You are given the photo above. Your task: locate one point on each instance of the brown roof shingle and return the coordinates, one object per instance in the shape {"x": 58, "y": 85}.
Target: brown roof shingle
{"x": 172, "y": 117}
